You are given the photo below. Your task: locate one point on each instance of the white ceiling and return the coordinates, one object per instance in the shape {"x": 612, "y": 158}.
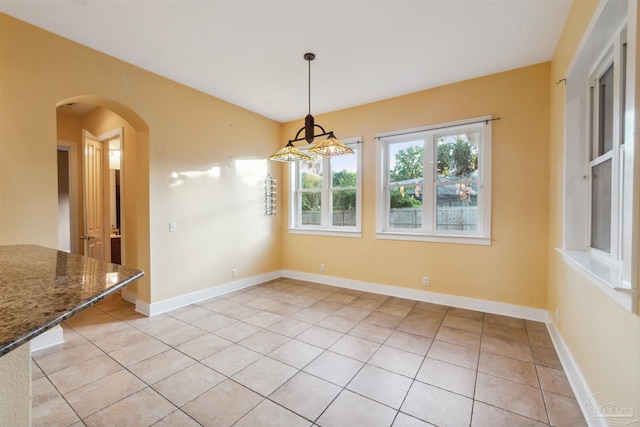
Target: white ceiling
{"x": 250, "y": 53}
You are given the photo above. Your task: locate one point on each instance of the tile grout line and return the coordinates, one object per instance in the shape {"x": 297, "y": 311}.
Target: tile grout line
{"x": 274, "y": 295}
{"x": 148, "y": 386}
{"x": 475, "y": 386}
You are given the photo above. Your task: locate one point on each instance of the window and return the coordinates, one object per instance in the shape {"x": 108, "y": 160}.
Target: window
{"x": 434, "y": 183}
{"x": 325, "y": 196}
{"x": 600, "y": 196}
{"x": 606, "y": 147}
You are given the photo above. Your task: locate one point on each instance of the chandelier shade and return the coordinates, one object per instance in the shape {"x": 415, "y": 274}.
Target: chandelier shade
{"x": 331, "y": 146}
{"x": 289, "y": 154}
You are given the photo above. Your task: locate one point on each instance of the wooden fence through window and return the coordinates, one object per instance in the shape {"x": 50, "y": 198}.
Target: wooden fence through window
{"x": 461, "y": 218}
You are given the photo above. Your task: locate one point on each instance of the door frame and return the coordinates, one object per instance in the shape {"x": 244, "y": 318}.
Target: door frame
{"x": 105, "y": 138}
{"x": 74, "y": 217}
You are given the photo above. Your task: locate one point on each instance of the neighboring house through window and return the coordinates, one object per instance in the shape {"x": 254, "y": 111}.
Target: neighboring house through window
{"x": 434, "y": 183}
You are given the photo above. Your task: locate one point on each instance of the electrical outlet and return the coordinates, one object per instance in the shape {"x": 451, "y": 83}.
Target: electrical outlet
{"x": 425, "y": 281}
{"x": 234, "y": 273}
{"x": 321, "y": 267}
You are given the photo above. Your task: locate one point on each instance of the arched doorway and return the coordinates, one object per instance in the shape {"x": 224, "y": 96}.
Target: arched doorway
{"x": 120, "y": 130}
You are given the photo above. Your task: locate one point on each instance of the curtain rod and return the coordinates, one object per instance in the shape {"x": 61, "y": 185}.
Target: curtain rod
{"x": 485, "y": 121}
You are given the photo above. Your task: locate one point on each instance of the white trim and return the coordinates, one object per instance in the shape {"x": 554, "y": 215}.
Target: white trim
{"x": 463, "y": 239}
{"x": 435, "y": 126}
{"x": 608, "y": 15}
{"x": 529, "y": 313}
{"x": 577, "y": 381}
{"x": 630, "y": 234}
{"x": 159, "y": 307}
{"x": 604, "y": 276}
{"x": 53, "y": 336}
{"x": 326, "y": 232}
{"x": 129, "y": 296}
{"x": 495, "y": 307}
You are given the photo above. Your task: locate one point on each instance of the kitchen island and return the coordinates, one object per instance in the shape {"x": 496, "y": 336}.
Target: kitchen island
{"x": 39, "y": 289}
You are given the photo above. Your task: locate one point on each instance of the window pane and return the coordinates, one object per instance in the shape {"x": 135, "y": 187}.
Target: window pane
{"x": 457, "y": 207}
{"x": 406, "y": 161}
{"x": 605, "y": 116}
{"x": 311, "y": 204}
{"x": 623, "y": 90}
{"x": 457, "y": 157}
{"x": 405, "y": 207}
{"x": 343, "y": 208}
{"x": 344, "y": 171}
{"x": 593, "y": 143}
{"x": 311, "y": 173}
{"x": 601, "y": 206}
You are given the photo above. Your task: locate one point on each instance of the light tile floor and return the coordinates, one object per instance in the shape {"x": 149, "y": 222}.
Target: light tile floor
{"x": 290, "y": 353}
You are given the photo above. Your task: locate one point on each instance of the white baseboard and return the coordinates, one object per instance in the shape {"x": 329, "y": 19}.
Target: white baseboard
{"x": 598, "y": 411}
{"x": 578, "y": 383}
{"x": 194, "y": 297}
{"x": 494, "y": 307}
{"x": 53, "y": 336}
{"x": 486, "y": 306}
{"x": 128, "y": 295}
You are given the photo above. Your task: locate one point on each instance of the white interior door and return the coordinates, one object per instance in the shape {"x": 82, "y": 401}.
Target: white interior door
{"x": 96, "y": 198}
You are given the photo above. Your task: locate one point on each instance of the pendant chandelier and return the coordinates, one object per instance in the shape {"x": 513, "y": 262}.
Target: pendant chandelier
{"x": 330, "y": 146}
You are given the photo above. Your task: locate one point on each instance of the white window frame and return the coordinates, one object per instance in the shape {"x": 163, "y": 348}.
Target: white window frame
{"x": 428, "y": 232}
{"x": 614, "y": 272}
{"x": 325, "y": 228}
{"x": 616, "y": 154}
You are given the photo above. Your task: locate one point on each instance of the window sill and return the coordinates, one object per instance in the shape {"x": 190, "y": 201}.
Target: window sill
{"x": 440, "y": 238}
{"x": 605, "y": 277}
{"x": 326, "y": 232}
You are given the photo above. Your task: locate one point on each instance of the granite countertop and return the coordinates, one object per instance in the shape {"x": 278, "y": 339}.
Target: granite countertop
{"x": 42, "y": 287}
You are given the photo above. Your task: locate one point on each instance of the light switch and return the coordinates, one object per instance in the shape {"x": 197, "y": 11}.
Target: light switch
{"x": 172, "y": 226}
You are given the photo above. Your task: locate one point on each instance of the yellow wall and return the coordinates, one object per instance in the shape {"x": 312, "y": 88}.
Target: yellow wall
{"x": 178, "y": 130}
{"x": 202, "y": 161}
{"x": 514, "y": 268}
{"x": 603, "y": 338}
